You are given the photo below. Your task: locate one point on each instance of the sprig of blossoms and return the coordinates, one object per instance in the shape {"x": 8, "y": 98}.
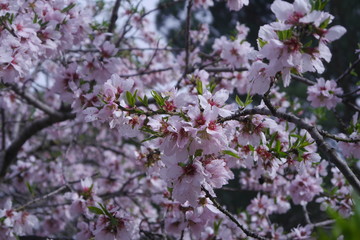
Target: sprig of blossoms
{"x": 324, "y": 94}
{"x": 296, "y": 43}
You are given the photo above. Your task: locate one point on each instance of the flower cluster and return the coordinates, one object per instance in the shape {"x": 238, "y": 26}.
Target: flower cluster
{"x": 324, "y": 94}
{"x": 15, "y": 223}
{"x": 297, "y": 42}
{"x": 34, "y": 31}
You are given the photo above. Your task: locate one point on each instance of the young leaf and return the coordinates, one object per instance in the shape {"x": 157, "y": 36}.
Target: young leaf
{"x": 130, "y": 99}
{"x": 239, "y": 102}
{"x": 95, "y": 210}
{"x": 230, "y": 153}
{"x": 158, "y": 98}
{"x": 199, "y": 87}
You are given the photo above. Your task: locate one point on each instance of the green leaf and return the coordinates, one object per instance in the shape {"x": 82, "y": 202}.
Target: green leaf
{"x": 248, "y": 100}
{"x": 325, "y": 23}
{"x": 278, "y": 146}
{"x": 198, "y": 152}
{"x": 318, "y": 5}
{"x": 96, "y": 210}
{"x": 68, "y": 8}
{"x": 230, "y": 153}
{"x": 30, "y": 188}
{"x": 149, "y": 138}
{"x": 158, "y": 98}
{"x": 103, "y": 208}
{"x": 212, "y": 86}
{"x": 149, "y": 130}
{"x": 251, "y": 147}
{"x": 353, "y": 73}
{"x": 284, "y": 35}
{"x": 199, "y": 87}
{"x": 144, "y": 100}
{"x": 261, "y": 42}
{"x": 308, "y": 44}
{"x": 239, "y": 102}
{"x": 130, "y": 99}
{"x": 217, "y": 226}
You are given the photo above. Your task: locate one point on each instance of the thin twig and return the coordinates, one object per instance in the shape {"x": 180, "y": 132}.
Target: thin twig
{"x": 348, "y": 70}
{"x": 292, "y": 235}
{"x": 267, "y": 101}
{"x": 350, "y": 93}
{"x": 220, "y": 69}
{"x": 303, "y": 80}
{"x": 329, "y": 135}
{"x": 147, "y": 72}
{"x": 306, "y": 213}
{"x": 232, "y": 218}
{"x": 44, "y": 197}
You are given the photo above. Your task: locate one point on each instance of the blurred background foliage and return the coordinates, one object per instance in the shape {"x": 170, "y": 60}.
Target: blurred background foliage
{"x": 170, "y": 21}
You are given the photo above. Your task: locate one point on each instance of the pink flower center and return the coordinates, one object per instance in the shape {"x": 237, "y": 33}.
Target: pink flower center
{"x": 212, "y": 125}
{"x": 189, "y": 170}
{"x": 200, "y": 120}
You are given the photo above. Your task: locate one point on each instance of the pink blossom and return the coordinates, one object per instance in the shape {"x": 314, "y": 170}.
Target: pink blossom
{"x": 261, "y": 205}
{"x": 217, "y": 173}
{"x": 304, "y": 188}
{"x": 324, "y": 94}
{"x": 236, "y": 5}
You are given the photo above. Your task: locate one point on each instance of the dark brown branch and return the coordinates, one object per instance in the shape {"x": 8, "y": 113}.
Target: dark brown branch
{"x": 114, "y": 17}
{"x": 232, "y": 218}
{"x": 187, "y": 36}
{"x": 127, "y": 26}
{"x": 36, "y": 102}
{"x": 329, "y": 135}
{"x": 267, "y": 101}
{"x": 219, "y": 70}
{"x": 350, "y": 93}
{"x": 321, "y": 143}
{"x": 29, "y": 131}
{"x": 3, "y": 126}
{"x": 147, "y": 72}
{"x": 41, "y": 238}
{"x": 303, "y": 80}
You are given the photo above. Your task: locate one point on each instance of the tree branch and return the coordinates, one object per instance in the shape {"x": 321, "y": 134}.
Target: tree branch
{"x": 3, "y": 132}
{"x": 114, "y": 17}
{"x": 30, "y": 130}
{"x": 187, "y": 36}
{"x": 303, "y": 80}
{"x": 46, "y": 196}
{"x": 329, "y": 135}
{"x": 348, "y": 70}
{"x": 232, "y": 218}
{"x": 41, "y": 238}
{"x": 35, "y": 102}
